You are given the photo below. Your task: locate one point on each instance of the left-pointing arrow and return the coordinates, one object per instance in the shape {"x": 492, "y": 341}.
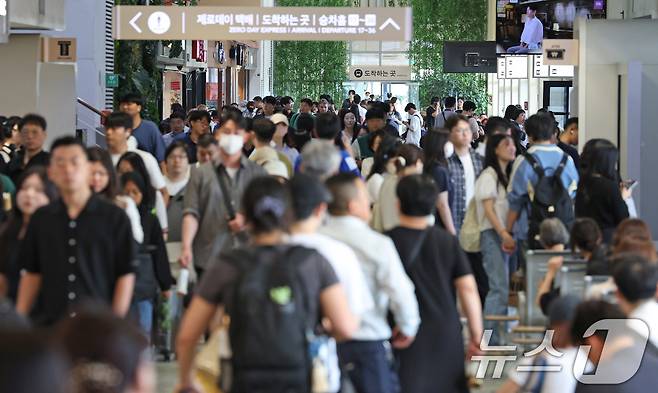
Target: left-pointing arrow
{"x": 133, "y": 24}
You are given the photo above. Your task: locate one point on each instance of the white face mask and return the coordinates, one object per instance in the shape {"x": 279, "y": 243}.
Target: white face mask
{"x": 231, "y": 143}
{"x": 448, "y": 149}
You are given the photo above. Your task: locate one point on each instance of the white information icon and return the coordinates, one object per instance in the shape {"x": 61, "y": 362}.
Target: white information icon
{"x": 159, "y": 22}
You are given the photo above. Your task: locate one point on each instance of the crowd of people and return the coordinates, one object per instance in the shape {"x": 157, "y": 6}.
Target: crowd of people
{"x": 331, "y": 248}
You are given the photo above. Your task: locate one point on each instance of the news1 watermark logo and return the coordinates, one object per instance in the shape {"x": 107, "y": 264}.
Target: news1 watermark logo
{"x": 629, "y": 335}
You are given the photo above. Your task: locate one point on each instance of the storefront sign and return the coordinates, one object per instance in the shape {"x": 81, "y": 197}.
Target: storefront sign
{"x": 58, "y": 50}
{"x": 560, "y": 52}
{"x": 380, "y": 73}
{"x": 111, "y": 80}
{"x": 199, "y": 50}
{"x": 262, "y": 23}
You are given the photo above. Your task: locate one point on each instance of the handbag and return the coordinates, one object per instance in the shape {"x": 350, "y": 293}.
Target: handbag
{"x": 469, "y": 235}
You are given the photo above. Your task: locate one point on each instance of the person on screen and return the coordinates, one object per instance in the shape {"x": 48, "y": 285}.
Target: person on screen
{"x": 533, "y": 33}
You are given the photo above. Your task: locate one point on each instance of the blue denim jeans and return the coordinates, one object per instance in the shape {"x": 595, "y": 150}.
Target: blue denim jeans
{"x": 368, "y": 366}
{"x": 145, "y": 312}
{"x": 495, "y": 263}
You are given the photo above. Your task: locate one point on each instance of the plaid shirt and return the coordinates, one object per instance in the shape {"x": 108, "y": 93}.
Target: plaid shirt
{"x": 459, "y": 205}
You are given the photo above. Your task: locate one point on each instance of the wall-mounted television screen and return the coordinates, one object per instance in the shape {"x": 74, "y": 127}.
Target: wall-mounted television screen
{"x": 469, "y": 57}
{"x": 522, "y": 26}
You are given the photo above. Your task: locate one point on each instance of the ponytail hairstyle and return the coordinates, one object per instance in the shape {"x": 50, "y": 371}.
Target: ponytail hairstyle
{"x": 267, "y": 205}
{"x": 407, "y": 156}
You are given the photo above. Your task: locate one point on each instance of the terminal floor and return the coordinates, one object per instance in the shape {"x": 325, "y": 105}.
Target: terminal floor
{"x": 167, "y": 376}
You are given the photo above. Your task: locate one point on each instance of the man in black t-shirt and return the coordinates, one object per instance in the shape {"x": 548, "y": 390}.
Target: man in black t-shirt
{"x": 76, "y": 249}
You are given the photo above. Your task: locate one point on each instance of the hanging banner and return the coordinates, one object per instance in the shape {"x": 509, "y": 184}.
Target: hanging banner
{"x": 262, "y": 23}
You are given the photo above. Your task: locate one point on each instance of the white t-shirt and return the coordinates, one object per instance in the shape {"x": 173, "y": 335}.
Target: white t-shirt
{"x": 487, "y": 187}
{"x": 554, "y": 381}
{"x": 161, "y": 211}
{"x": 151, "y": 164}
{"x": 648, "y": 312}
{"x": 345, "y": 264}
{"x": 232, "y": 172}
{"x": 362, "y": 113}
{"x": 469, "y": 176}
{"x": 133, "y": 215}
{"x": 533, "y": 33}
{"x": 413, "y": 132}
{"x": 174, "y": 187}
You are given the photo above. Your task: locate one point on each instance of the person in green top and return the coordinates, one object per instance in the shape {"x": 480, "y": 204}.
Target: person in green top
{"x": 305, "y": 106}
{"x": 375, "y": 120}
{"x": 7, "y": 186}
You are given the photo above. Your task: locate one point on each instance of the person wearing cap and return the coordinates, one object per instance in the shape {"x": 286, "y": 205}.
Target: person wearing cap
{"x": 309, "y": 200}
{"x": 274, "y": 162}
{"x": 561, "y": 314}
{"x": 280, "y": 135}
{"x": 375, "y": 121}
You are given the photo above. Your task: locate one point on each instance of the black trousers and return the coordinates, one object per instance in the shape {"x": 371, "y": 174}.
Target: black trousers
{"x": 481, "y": 278}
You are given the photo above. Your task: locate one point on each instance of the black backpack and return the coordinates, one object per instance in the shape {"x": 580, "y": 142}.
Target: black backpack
{"x": 551, "y": 200}
{"x": 269, "y": 331}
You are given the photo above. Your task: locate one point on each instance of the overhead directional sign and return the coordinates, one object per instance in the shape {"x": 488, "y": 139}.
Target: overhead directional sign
{"x": 261, "y": 23}
{"x": 379, "y": 73}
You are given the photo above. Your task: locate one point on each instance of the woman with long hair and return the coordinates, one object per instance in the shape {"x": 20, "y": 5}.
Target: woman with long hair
{"x": 349, "y": 125}
{"x": 33, "y": 190}
{"x": 104, "y": 182}
{"x": 436, "y": 165}
{"x": 600, "y": 193}
{"x": 492, "y": 208}
{"x": 132, "y": 162}
{"x": 383, "y": 164}
{"x": 153, "y": 268}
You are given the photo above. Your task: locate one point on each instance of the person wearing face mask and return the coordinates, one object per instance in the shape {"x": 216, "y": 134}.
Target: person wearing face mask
{"x": 34, "y": 190}
{"x": 212, "y": 221}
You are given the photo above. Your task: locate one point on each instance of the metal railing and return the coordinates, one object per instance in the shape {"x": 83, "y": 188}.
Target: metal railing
{"x": 98, "y": 131}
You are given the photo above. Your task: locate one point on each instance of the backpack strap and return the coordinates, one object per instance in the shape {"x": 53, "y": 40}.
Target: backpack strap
{"x": 418, "y": 246}
{"x": 534, "y": 164}
{"x": 221, "y": 173}
{"x": 561, "y": 166}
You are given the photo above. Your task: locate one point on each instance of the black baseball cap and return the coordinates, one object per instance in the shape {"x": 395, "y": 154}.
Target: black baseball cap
{"x": 307, "y": 194}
